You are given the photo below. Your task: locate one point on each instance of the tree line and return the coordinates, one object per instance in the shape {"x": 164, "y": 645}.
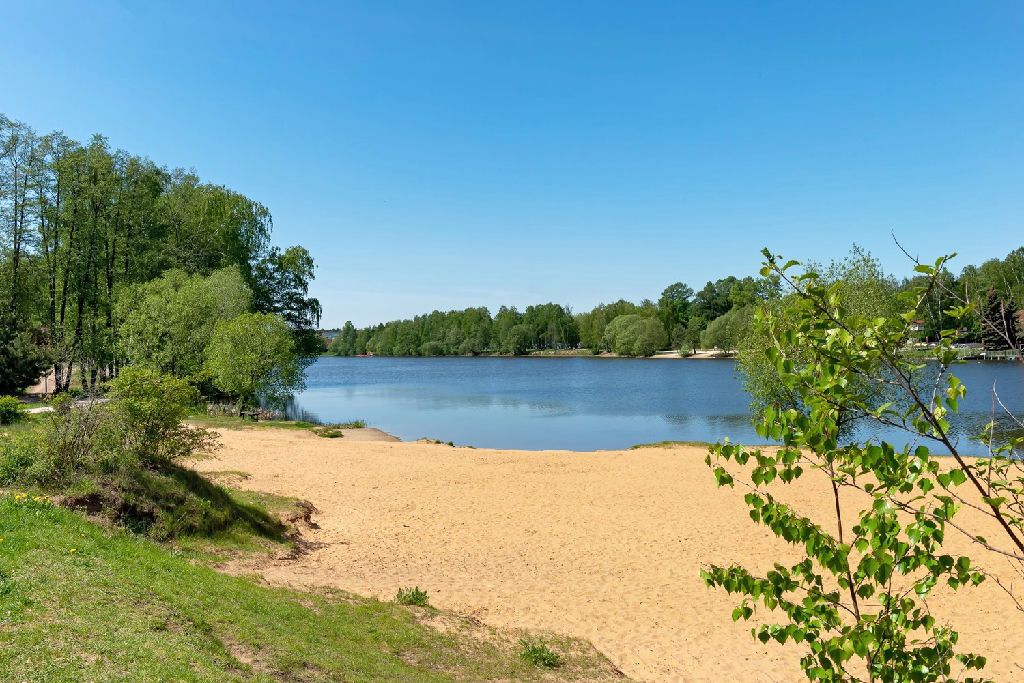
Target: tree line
{"x": 108, "y": 259}
{"x": 720, "y": 315}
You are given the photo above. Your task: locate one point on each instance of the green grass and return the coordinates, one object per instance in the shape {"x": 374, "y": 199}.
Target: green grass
{"x": 412, "y": 596}
{"x": 28, "y": 423}
{"x": 671, "y": 444}
{"x": 537, "y": 653}
{"x": 78, "y": 602}
{"x": 225, "y": 422}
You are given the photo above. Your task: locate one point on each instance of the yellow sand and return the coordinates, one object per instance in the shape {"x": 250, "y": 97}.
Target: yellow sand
{"x": 605, "y": 546}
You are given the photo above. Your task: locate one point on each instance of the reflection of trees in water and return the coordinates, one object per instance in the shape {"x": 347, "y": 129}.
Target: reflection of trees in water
{"x": 544, "y": 408}
{"x": 293, "y": 411}
{"x": 1005, "y": 429}
{"x": 965, "y": 427}
{"x": 731, "y": 420}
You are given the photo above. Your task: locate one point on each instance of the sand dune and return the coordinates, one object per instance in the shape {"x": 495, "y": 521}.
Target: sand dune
{"x": 605, "y": 545}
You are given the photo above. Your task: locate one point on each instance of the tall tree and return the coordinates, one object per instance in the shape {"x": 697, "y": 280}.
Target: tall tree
{"x": 673, "y": 306}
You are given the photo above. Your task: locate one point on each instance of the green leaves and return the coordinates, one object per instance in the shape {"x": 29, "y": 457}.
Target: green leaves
{"x": 833, "y": 361}
{"x": 254, "y": 355}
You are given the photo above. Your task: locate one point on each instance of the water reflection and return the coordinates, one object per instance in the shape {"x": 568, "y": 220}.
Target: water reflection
{"x": 579, "y": 403}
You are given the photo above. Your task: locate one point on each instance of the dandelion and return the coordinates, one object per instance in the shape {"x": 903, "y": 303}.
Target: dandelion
{"x": 72, "y": 550}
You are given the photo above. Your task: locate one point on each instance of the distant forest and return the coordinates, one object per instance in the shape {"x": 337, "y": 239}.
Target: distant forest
{"x": 717, "y": 316}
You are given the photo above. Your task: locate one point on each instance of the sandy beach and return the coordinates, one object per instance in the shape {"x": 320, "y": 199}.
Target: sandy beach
{"x": 604, "y": 545}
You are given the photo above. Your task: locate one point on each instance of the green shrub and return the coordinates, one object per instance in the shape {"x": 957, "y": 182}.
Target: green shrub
{"x": 412, "y": 596}
{"x": 11, "y": 410}
{"x": 328, "y": 432}
{"x": 115, "y": 459}
{"x": 539, "y": 654}
{"x": 354, "y": 424}
{"x": 148, "y": 408}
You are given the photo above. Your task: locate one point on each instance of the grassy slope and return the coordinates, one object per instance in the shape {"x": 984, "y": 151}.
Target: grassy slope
{"x": 78, "y": 602}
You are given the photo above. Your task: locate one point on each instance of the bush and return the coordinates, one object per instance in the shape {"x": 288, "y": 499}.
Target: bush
{"x": 147, "y": 411}
{"x": 635, "y": 335}
{"x": 539, "y": 654}
{"x": 412, "y": 596}
{"x": 116, "y": 459}
{"x": 11, "y": 410}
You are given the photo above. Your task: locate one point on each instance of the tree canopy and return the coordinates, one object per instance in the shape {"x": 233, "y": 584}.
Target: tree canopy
{"x": 252, "y": 356}
{"x": 85, "y": 230}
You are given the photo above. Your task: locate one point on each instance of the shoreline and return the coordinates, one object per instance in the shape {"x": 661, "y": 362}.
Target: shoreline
{"x": 603, "y": 545}
{"x": 703, "y": 354}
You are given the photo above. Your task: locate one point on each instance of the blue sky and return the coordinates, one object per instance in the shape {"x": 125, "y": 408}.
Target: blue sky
{"x": 452, "y": 154}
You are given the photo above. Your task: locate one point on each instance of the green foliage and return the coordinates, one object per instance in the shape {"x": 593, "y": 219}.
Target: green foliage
{"x": 167, "y": 323}
{"x": 855, "y": 603}
{"x": 674, "y": 306}
{"x": 149, "y": 408}
{"x": 727, "y": 331}
{"x": 1000, "y": 324}
{"x": 87, "y": 227}
{"x": 11, "y": 410}
{"x": 865, "y": 290}
{"x": 281, "y": 284}
{"x": 253, "y": 357}
{"x": 635, "y": 335}
{"x": 21, "y": 360}
{"x": 115, "y": 458}
{"x": 412, "y": 596}
{"x": 345, "y": 343}
{"x": 536, "y": 652}
{"x": 691, "y": 336}
{"x": 354, "y": 424}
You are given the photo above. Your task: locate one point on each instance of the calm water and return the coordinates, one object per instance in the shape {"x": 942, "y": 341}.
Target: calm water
{"x": 570, "y": 403}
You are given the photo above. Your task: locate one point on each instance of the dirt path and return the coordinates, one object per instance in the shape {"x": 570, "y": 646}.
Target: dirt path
{"x": 605, "y": 546}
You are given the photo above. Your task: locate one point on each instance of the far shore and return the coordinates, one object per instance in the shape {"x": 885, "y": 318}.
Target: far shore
{"x": 702, "y": 354}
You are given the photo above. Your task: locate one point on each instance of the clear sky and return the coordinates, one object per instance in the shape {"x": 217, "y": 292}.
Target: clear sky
{"x": 452, "y": 154}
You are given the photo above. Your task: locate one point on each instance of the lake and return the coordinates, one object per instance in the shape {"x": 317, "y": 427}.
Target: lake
{"x": 574, "y": 403}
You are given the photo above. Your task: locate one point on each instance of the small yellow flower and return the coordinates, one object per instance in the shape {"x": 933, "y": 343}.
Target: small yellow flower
{"x": 72, "y": 550}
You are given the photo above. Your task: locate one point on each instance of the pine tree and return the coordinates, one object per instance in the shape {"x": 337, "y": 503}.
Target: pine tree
{"x": 1000, "y": 322}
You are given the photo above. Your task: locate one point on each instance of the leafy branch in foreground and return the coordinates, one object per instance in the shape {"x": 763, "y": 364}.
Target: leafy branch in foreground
{"x": 857, "y": 600}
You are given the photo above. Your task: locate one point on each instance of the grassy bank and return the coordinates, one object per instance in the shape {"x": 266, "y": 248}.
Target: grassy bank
{"x": 79, "y": 602}
{"x": 131, "y": 592}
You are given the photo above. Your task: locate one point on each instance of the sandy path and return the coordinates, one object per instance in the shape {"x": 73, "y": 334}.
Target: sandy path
{"x": 606, "y": 545}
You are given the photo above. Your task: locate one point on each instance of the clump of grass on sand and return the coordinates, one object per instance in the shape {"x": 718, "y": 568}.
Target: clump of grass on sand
{"x": 412, "y": 596}
{"x": 329, "y": 432}
{"x": 537, "y": 653}
{"x": 670, "y": 444}
{"x": 228, "y": 422}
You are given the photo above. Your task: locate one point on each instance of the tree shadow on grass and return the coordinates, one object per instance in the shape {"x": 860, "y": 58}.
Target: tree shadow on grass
{"x": 174, "y": 501}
